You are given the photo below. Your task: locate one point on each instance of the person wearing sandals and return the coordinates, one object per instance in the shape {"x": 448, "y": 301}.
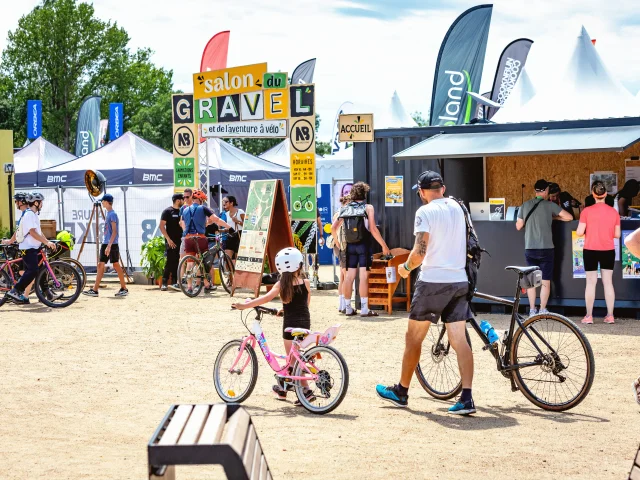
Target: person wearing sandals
{"x": 358, "y": 217}
{"x": 600, "y": 225}
{"x": 633, "y": 244}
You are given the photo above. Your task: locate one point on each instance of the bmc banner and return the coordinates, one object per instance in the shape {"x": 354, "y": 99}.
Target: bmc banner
{"x": 116, "y": 121}
{"x": 459, "y": 67}
{"x": 509, "y": 68}
{"x": 88, "y": 127}
{"x": 34, "y": 119}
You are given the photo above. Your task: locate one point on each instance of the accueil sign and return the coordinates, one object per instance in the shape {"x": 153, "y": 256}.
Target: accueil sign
{"x": 355, "y": 128}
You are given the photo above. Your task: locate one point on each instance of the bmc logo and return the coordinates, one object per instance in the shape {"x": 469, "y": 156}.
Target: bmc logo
{"x": 152, "y": 177}
{"x": 237, "y": 178}
{"x": 56, "y": 178}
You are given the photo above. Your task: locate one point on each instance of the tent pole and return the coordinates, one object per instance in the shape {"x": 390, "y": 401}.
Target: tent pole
{"x": 220, "y": 196}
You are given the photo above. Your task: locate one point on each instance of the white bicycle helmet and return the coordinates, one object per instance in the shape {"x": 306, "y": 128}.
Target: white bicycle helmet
{"x": 289, "y": 260}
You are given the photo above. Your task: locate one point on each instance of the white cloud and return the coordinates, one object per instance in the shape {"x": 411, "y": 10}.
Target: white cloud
{"x": 363, "y": 59}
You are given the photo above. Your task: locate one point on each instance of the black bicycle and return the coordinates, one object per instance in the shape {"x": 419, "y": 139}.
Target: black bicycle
{"x": 194, "y": 269}
{"x": 546, "y": 356}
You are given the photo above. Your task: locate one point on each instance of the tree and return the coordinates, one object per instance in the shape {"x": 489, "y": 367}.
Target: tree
{"x": 420, "y": 120}
{"x": 61, "y": 53}
{"x": 153, "y": 122}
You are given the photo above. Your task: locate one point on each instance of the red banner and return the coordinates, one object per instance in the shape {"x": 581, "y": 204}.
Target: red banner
{"x": 214, "y": 56}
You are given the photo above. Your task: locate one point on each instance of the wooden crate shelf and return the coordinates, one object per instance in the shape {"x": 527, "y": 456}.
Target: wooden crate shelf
{"x": 381, "y": 292}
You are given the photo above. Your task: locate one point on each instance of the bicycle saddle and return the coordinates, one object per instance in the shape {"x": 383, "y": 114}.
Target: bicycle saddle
{"x": 522, "y": 270}
{"x": 297, "y": 331}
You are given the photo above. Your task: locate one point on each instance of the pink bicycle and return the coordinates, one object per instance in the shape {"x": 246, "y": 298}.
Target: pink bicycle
{"x": 311, "y": 364}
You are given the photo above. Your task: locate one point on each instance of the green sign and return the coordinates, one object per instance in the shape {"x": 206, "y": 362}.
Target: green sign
{"x": 206, "y": 110}
{"x": 274, "y": 80}
{"x": 259, "y": 205}
{"x": 303, "y": 203}
{"x": 184, "y": 174}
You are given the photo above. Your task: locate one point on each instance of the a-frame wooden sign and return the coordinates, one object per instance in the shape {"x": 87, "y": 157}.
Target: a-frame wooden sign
{"x": 266, "y": 231}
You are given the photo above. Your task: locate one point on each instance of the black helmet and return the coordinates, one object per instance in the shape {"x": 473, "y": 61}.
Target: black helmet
{"x": 20, "y": 196}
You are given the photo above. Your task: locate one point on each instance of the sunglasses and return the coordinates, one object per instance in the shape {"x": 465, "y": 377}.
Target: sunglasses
{"x": 187, "y": 196}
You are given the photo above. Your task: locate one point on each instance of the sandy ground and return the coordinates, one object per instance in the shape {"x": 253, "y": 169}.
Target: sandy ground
{"x": 83, "y": 389}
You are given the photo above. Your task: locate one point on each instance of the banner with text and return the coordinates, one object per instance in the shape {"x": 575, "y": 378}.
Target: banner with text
{"x": 510, "y": 66}
{"x": 34, "y": 119}
{"x": 185, "y": 151}
{"x": 116, "y": 121}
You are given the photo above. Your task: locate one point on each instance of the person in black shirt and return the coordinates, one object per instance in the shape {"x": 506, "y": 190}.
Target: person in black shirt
{"x": 625, "y": 196}
{"x": 172, "y": 233}
{"x": 563, "y": 199}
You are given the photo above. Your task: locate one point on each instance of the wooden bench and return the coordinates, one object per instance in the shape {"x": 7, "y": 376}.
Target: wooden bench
{"x": 635, "y": 468}
{"x": 217, "y": 434}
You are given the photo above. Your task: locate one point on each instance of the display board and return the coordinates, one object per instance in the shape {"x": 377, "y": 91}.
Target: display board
{"x": 185, "y": 148}
{"x": 356, "y": 128}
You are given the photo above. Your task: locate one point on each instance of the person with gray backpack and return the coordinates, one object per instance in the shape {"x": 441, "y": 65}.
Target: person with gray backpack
{"x": 358, "y": 220}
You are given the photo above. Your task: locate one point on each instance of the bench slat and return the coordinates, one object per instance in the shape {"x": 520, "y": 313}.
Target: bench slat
{"x": 269, "y": 476}
{"x": 638, "y": 458}
{"x": 249, "y": 448}
{"x": 635, "y": 473}
{"x": 194, "y": 426}
{"x": 214, "y": 425}
{"x": 237, "y": 429}
{"x": 176, "y": 425}
{"x": 263, "y": 468}
{"x": 255, "y": 473}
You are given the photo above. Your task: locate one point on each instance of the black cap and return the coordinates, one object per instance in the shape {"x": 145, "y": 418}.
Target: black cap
{"x": 541, "y": 185}
{"x": 429, "y": 180}
{"x": 554, "y": 188}
{"x": 177, "y": 196}
{"x": 598, "y": 188}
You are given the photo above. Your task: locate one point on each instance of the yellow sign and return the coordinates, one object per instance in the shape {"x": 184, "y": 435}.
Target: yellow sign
{"x": 229, "y": 81}
{"x": 303, "y": 169}
{"x": 6, "y": 157}
{"x": 497, "y": 208}
{"x": 356, "y": 128}
{"x": 393, "y": 190}
{"x": 276, "y": 104}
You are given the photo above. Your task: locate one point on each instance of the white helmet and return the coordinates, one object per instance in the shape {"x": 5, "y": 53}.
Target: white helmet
{"x": 289, "y": 260}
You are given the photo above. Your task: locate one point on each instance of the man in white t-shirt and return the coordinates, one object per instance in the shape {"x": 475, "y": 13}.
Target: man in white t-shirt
{"x": 441, "y": 289}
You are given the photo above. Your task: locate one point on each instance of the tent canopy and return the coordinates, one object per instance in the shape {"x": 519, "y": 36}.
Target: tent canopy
{"x": 278, "y": 154}
{"x": 38, "y": 155}
{"x": 129, "y": 160}
{"x": 395, "y": 116}
{"x": 528, "y": 142}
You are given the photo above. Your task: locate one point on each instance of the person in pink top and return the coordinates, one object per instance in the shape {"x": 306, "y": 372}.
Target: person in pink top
{"x": 600, "y": 224}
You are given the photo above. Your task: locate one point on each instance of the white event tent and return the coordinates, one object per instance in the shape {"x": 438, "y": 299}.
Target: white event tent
{"x": 37, "y": 155}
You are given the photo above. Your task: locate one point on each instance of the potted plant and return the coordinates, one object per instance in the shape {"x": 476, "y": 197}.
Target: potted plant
{"x": 153, "y": 259}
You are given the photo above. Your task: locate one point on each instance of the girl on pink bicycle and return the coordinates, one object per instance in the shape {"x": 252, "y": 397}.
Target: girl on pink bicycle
{"x": 295, "y": 293}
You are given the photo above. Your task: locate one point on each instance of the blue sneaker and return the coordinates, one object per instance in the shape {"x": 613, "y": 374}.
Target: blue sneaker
{"x": 460, "y": 408}
{"x": 390, "y": 394}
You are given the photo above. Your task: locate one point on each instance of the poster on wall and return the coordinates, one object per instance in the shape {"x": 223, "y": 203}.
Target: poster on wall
{"x": 630, "y": 263}
{"x": 393, "y": 188}
{"x": 631, "y": 170}
{"x": 577, "y": 246}
{"x": 341, "y": 188}
{"x": 610, "y": 179}
{"x": 497, "y": 208}
{"x": 304, "y": 236}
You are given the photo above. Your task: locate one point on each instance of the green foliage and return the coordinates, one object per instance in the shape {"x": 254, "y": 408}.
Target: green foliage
{"x": 61, "y": 53}
{"x": 4, "y": 233}
{"x": 254, "y": 146}
{"x": 153, "y": 122}
{"x": 420, "y": 120}
{"x": 153, "y": 259}
{"x": 323, "y": 148}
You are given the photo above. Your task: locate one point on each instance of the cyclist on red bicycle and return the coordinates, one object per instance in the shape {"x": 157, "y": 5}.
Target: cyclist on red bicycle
{"x": 30, "y": 239}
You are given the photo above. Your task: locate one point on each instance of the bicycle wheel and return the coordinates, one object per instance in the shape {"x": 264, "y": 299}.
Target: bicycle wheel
{"x": 61, "y": 289}
{"x": 308, "y": 206}
{"x": 192, "y": 270}
{"x": 6, "y": 283}
{"x": 234, "y": 374}
{"x": 226, "y": 269}
{"x": 333, "y": 379}
{"x": 79, "y": 267}
{"x": 438, "y": 371}
{"x": 297, "y": 206}
{"x": 566, "y": 368}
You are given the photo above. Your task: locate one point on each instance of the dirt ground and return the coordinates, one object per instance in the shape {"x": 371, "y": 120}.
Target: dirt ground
{"x": 83, "y": 389}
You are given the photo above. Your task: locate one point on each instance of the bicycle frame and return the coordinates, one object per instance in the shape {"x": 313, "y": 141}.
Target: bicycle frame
{"x": 43, "y": 260}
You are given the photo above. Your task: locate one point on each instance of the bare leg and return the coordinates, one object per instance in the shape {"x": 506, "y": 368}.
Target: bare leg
{"x": 120, "y": 273}
{"x": 590, "y": 291}
{"x": 363, "y": 288}
{"x": 545, "y": 291}
{"x": 532, "y": 294}
{"x": 348, "y": 285}
{"x": 416, "y": 331}
{"x": 609, "y": 292}
{"x": 99, "y": 275}
{"x": 456, "y": 332}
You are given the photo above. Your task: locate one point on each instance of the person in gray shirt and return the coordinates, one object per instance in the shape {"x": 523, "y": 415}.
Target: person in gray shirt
{"x": 536, "y": 216}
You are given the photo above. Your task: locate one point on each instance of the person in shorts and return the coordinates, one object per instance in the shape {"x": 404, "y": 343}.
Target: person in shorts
{"x": 340, "y": 252}
{"x": 536, "y": 217}
{"x": 109, "y": 251}
{"x": 600, "y": 225}
{"x": 234, "y": 216}
{"x": 441, "y": 290}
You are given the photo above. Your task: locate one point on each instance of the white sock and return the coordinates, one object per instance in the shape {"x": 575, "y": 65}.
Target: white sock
{"x": 341, "y": 302}
{"x": 364, "y": 305}
{"x": 347, "y": 305}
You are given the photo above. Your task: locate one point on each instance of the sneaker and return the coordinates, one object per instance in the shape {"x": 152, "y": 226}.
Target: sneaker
{"x": 533, "y": 311}
{"x": 342, "y": 311}
{"x": 308, "y": 394}
{"x": 636, "y": 390}
{"x": 91, "y": 293}
{"x": 211, "y": 288}
{"x": 587, "y": 320}
{"x": 390, "y": 394}
{"x": 460, "y": 408}
{"x": 123, "y": 292}
{"x": 543, "y": 311}
{"x": 52, "y": 296}
{"x": 281, "y": 394}
{"x": 190, "y": 291}
{"x": 17, "y": 297}
{"x": 609, "y": 319}
{"x": 163, "y": 288}
{"x": 175, "y": 286}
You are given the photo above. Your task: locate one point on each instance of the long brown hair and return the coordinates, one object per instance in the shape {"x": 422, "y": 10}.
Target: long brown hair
{"x": 287, "y": 283}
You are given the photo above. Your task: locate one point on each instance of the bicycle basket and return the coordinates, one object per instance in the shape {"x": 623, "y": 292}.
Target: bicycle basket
{"x": 531, "y": 279}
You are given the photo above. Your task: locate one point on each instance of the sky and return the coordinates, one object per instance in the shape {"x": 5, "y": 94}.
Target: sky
{"x": 365, "y": 49}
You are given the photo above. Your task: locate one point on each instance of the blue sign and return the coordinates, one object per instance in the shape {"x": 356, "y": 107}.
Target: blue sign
{"x": 324, "y": 207}
{"x": 34, "y": 119}
{"x": 116, "y": 121}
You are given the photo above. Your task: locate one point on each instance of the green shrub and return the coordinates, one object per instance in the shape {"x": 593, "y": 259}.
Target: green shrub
{"x": 153, "y": 259}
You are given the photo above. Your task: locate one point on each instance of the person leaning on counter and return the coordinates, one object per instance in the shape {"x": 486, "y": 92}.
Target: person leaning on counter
{"x": 536, "y": 216}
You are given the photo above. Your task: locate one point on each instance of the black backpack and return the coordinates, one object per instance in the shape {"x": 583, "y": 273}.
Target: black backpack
{"x": 353, "y": 216}
{"x": 474, "y": 252}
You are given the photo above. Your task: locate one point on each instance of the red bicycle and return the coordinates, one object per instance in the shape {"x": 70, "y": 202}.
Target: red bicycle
{"x": 57, "y": 284}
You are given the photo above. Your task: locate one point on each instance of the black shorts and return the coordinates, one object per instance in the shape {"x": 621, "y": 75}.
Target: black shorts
{"x": 114, "y": 254}
{"x": 358, "y": 255}
{"x": 296, "y": 322}
{"x": 232, "y": 242}
{"x": 446, "y": 301}
{"x": 606, "y": 259}
{"x": 542, "y": 258}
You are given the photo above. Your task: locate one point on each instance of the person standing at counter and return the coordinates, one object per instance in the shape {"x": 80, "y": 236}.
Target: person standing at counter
{"x": 563, "y": 199}
{"x": 625, "y": 196}
{"x": 600, "y": 224}
{"x": 536, "y": 216}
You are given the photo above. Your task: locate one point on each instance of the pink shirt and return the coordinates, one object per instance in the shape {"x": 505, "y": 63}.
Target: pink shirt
{"x": 601, "y": 221}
